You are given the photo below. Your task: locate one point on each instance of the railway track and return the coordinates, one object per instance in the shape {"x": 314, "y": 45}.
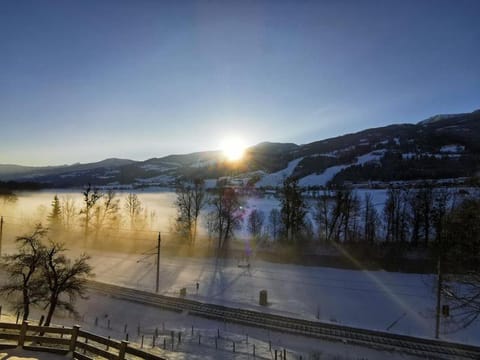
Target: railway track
{"x": 429, "y": 348}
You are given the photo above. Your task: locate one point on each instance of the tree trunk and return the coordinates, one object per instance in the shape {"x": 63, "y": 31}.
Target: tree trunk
{"x": 26, "y": 305}
{"x": 51, "y": 310}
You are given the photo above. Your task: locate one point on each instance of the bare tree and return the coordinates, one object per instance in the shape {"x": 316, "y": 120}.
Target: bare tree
{"x": 293, "y": 209}
{"x": 336, "y": 213}
{"x": 90, "y": 199}
{"x": 134, "y": 208}
{"x": 190, "y": 201}
{"x": 226, "y": 215}
{"x": 255, "y": 222}
{"x": 68, "y": 210}
{"x": 396, "y": 215}
{"x": 63, "y": 277}
{"x": 274, "y": 223}
{"x": 106, "y": 213}
{"x": 371, "y": 220}
{"x": 22, "y": 268}
{"x": 349, "y": 210}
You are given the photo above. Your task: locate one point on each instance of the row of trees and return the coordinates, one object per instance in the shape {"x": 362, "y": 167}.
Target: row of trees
{"x": 41, "y": 274}
{"x": 413, "y": 217}
{"x": 98, "y": 212}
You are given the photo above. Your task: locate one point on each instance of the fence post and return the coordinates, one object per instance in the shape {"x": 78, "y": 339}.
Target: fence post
{"x": 23, "y": 333}
{"x": 73, "y": 338}
{"x": 122, "y": 350}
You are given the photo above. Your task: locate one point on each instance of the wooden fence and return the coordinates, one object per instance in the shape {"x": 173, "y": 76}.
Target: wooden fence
{"x": 81, "y": 344}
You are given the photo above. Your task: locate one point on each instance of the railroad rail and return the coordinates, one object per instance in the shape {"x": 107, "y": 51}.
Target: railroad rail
{"x": 430, "y": 348}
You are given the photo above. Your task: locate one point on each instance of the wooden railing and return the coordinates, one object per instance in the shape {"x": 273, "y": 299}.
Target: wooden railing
{"x": 63, "y": 340}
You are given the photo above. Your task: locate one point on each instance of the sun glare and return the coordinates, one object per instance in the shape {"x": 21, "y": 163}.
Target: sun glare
{"x": 233, "y": 148}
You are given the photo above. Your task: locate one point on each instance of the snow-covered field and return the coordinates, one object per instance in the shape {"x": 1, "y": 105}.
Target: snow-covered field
{"x": 394, "y": 302}
{"x": 368, "y": 299}
{"x": 111, "y": 317}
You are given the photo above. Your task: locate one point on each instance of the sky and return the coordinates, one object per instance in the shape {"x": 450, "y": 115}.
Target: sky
{"x": 81, "y": 81}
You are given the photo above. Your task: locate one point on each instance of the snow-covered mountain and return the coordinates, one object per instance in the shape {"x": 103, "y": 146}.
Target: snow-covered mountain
{"x": 440, "y": 147}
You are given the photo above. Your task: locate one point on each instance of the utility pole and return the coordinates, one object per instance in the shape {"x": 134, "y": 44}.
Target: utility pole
{"x": 439, "y": 296}
{"x": 1, "y": 233}
{"x": 158, "y": 262}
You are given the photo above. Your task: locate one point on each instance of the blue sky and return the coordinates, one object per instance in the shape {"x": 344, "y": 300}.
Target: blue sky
{"x": 81, "y": 81}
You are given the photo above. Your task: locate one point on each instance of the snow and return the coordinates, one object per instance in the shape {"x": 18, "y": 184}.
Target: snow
{"x": 204, "y": 163}
{"x": 408, "y": 156}
{"x": 158, "y": 167}
{"x": 329, "y": 173}
{"x": 452, "y": 149}
{"x": 325, "y": 154}
{"x": 165, "y": 179}
{"x": 371, "y": 156}
{"x": 368, "y": 299}
{"x": 21, "y": 354}
{"x": 372, "y": 299}
{"x": 276, "y": 178}
{"x": 437, "y": 118}
{"x": 323, "y": 178}
{"x": 210, "y": 183}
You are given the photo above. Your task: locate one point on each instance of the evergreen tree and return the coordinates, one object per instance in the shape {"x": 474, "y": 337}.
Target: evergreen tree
{"x": 55, "y": 216}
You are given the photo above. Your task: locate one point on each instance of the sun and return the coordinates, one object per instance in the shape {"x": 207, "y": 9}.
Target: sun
{"x": 233, "y": 148}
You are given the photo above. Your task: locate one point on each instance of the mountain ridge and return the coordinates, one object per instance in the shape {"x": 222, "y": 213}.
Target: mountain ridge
{"x": 439, "y": 147}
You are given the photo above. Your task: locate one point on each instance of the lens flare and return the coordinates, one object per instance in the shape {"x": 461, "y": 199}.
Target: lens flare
{"x": 233, "y": 148}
